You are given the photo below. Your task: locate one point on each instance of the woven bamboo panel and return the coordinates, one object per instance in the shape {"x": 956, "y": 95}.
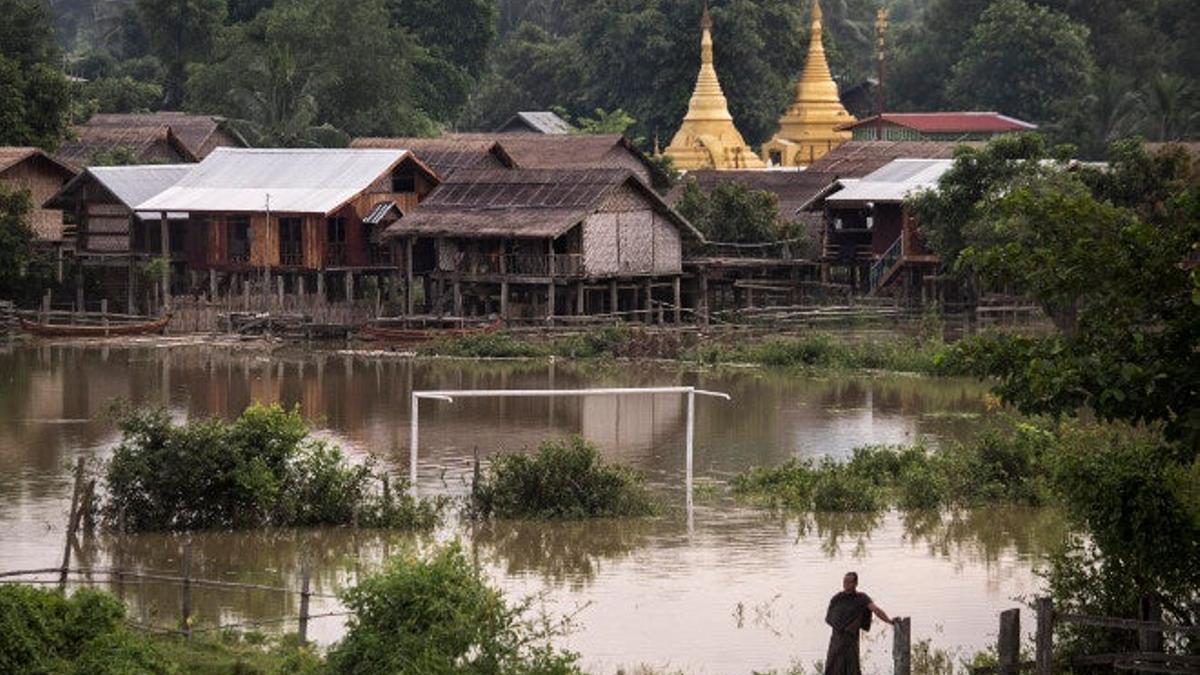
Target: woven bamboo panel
{"x": 668, "y": 253}
{"x": 636, "y": 232}
{"x": 600, "y": 244}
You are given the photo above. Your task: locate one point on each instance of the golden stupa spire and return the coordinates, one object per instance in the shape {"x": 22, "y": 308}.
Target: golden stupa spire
{"x": 708, "y": 138}
{"x": 808, "y": 129}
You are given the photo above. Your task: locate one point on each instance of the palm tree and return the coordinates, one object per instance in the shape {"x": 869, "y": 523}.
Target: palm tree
{"x": 1171, "y": 108}
{"x": 280, "y": 108}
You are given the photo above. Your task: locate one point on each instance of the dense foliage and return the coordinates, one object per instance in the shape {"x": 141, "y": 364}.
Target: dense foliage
{"x": 1107, "y": 254}
{"x": 263, "y": 469}
{"x": 35, "y": 95}
{"x": 436, "y": 615}
{"x": 24, "y": 270}
{"x": 1004, "y": 464}
{"x": 733, "y": 213}
{"x": 564, "y": 479}
{"x": 46, "y": 631}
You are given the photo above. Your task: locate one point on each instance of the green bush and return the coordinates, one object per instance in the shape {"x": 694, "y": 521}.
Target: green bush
{"x": 497, "y": 344}
{"x": 47, "y": 631}
{"x": 263, "y": 469}
{"x": 1006, "y": 463}
{"x": 438, "y": 615}
{"x": 564, "y": 479}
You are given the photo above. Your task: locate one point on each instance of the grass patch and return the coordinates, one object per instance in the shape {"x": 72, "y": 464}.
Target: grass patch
{"x": 822, "y": 350}
{"x": 263, "y": 469}
{"x": 493, "y": 345}
{"x": 564, "y": 479}
{"x": 1006, "y": 463}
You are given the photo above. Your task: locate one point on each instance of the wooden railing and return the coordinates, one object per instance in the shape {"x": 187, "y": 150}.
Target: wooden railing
{"x": 1149, "y": 658}
{"x": 520, "y": 264}
{"x": 883, "y": 267}
{"x": 291, "y": 255}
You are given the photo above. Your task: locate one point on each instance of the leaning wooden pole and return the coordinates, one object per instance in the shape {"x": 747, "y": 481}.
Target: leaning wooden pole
{"x": 1044, "y": 642}
{"x": 305, "y": 594}
{"x": 72, "y": 523}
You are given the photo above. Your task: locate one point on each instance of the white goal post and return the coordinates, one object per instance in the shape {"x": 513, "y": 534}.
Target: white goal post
{"x": 450, "y": 396}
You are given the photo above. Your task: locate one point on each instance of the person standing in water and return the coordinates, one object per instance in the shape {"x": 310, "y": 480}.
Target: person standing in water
{"x": 849, "y": 612}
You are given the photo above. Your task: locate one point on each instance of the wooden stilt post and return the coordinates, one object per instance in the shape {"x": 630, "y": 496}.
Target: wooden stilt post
{"x": 677, "y": 287}
{"x": 130, "y": 298}
{"x": 1044, "y": 645}
{"x": 902, "y": 646}
{"x": 185, "y": 604}
{"x": 580, "y": 299}
{"x": 72, "y": 522}
{"x": 614, "y": 299}
{"x": 409, "y": 297}
{"x": 165, "y": 229}
{"x": 104, "y": 314}
{"x": 703, "y": 299}
{"x": 1008, "y": 645}
{"x": 649, "y": 292}
{"x": 212, "y": 285}
{"x": 321, "y": 287}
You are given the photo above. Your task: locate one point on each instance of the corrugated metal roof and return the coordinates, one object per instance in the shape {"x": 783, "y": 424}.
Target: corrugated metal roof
{"x": 893, "y": 182}
{"x": 292, "y": 180}
{"x": 135, "y": 184}
{"x": 380, "y": 211}
{"x": 541, "y": 121}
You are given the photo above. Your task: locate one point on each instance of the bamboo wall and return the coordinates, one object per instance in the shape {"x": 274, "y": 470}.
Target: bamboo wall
{"x": 43, "y": 182}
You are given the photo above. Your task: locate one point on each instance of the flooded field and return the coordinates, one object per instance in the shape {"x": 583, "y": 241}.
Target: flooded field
{"x": 740, "y": 590}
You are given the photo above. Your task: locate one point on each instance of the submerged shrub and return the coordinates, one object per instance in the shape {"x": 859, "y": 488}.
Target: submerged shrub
{"x": 438, "y": 614}
{"x": 263, "y": 469}
{"x": 1006, "y": 463}
{"x": 563, "y": 479}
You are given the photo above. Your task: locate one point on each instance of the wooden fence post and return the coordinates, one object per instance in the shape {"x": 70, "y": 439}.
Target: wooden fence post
{"x": 1044, "y": 646}
{"x": 72, "y": 522}
{"x": 1150, "y": 609}
{"x": 902, "y": 646}
{"x": 185, "y": 605}
{"x": 104, "y": 314}
{"x": 1008, "y": 646}
{"x": 304, "y": 598}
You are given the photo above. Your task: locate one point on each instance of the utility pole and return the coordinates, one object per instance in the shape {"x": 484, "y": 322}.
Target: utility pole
{"x": 881, "y": 24}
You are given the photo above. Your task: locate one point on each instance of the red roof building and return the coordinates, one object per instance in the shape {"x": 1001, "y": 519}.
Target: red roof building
{"x": 937, "y": 126}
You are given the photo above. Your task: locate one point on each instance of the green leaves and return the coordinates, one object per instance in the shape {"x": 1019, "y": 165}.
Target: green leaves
{"x": 438, "y": 615}
{"x": 565, "y": 479}
{"x": 261, "y": 470}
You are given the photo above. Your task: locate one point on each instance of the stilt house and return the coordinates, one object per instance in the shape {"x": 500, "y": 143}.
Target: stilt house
{"x": 31, "y": 169}
{"x": 114, "y": 240}
{"x": 527, "y": 243}
{"x": 306, "y": 217}
{"x": 869, "y": 239}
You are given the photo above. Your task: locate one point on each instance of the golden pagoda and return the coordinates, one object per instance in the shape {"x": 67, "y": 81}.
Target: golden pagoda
{"x": 809, "y": 127}
{"x": 707, "y": 139}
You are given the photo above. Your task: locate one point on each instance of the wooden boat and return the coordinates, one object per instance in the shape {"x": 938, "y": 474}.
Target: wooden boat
{"x": 111, "y": 330}
{"x": 386, "y": 334}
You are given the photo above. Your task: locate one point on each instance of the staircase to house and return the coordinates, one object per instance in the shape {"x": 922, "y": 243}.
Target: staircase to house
{"x": 885, "y": 269}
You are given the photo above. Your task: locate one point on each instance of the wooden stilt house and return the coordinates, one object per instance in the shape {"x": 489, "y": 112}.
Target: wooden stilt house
{"x": 529, "y": 243}
{"x": 302, "y": 220}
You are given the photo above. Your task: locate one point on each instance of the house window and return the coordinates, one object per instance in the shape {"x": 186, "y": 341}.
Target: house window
{"x": 775, "y": 158}
{"x": 291, "y": 242}
{"x": 237, "y": 232}
{"x": 178, "y": 236}
{"x": 403, "y": 180}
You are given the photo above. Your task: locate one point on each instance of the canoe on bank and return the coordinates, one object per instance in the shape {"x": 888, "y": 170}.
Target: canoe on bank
{"x": 116, "y": 329}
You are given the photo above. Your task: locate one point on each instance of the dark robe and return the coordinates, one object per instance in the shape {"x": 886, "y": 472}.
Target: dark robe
{"x": 847, "y": 615}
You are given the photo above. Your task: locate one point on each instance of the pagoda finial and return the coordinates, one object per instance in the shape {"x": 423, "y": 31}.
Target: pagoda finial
{"x": 706, "y": 18}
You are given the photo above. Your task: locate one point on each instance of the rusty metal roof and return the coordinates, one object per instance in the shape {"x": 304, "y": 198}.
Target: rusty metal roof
{"x": 252, "y": 180}
{"x": 521, "y": 203}
{"x": 855, "y": 159}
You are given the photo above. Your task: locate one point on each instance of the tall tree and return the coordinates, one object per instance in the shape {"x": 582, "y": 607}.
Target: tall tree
{"x": 36, "y": 105}
{"x": 180, "y": 32}
{"x": 1023, "y": 60}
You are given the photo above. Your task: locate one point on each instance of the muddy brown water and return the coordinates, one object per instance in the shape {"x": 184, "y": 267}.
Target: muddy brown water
{"x": 739, "y": 590}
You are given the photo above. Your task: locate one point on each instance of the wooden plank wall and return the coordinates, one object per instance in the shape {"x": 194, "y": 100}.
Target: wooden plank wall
{"x": 314, "y": 235}
{"x": 264, "y": 241}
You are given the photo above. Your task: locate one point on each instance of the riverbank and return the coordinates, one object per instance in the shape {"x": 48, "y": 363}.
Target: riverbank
{"x": 843, "y": 351}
